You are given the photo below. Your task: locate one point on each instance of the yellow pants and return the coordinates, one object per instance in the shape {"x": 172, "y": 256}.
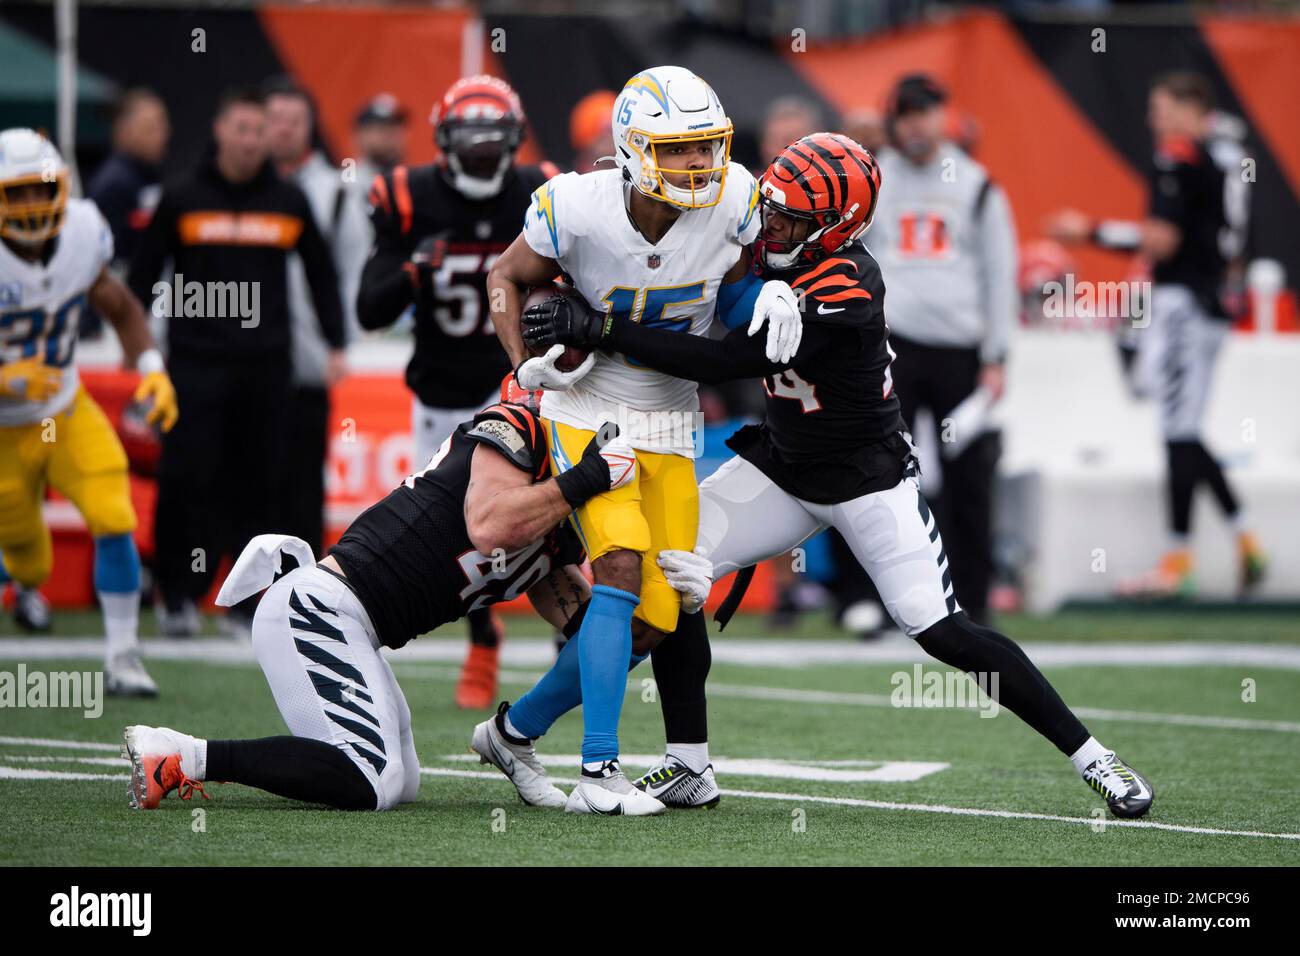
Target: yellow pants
{"x": 78, "y": 453}
{"x": 659, "y": 509}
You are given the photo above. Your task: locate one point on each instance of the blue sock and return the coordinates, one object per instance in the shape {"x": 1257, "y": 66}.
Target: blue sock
{"x": 604, "y": 646}
{"x": 117, "y": 564}
{"x": 557, "y": 693}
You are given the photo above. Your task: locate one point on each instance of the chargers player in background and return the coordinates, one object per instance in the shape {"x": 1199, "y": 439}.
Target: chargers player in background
{"x": 832, "y": 451}
{"x": 1194, "y": 236}
{"x": 660, "y": 239}
{"x": 53, "y": 266}
{"x": 438, "y": 230}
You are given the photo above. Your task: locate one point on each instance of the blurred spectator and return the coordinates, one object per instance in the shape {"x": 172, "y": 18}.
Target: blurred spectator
{"x": 228, "y": 228}
{"x": 379, "y": 134}
{"x": 590, "y": 129}
{"x": 867, "y": 127}
{"x": 127, "y": 186}
{"x": 787, "y": 120}
{"x": 946, "y": 242}
{"x": 345, "y": 226}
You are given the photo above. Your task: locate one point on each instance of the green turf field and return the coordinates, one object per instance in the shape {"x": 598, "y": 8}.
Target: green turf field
{"x": 817, "y": 738}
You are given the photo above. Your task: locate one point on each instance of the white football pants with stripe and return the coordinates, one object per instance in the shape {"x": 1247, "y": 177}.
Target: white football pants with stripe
{"x": 746, "y": 518}
{"x": 317, "y": 647}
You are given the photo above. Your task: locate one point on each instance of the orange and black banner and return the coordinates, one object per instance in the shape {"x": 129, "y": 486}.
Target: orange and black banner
{"x": 1057, "y": 110}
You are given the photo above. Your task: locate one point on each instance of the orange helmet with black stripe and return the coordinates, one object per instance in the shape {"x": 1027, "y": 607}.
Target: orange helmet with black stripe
{"x": 826, "y": 181}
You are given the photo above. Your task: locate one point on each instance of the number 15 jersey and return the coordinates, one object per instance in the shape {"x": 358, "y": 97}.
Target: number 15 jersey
{"x": 582, "y": 222}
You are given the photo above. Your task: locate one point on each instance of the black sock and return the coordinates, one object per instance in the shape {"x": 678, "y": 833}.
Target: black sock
{"x": 296, "y": 767}
{"x": 1213, "y": 474}
{"x": 482, "y": 629}
{"x": 681, "y": 665}
{"x": 1185, "y": 467}
{"x": 1022, "y": 688}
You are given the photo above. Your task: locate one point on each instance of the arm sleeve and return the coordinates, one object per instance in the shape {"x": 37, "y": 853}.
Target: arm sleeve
{"x": 385, "y": 289}
{"x": 156, "y": 245}
{"x": 318, "y": 264}
{"x": 736, "y": 300}
{"x": 997, "y": 275}
{"x": 710, "y": 361}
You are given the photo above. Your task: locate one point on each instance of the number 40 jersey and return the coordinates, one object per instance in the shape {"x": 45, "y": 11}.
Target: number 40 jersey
{"x": 582, "y": 222}
{"x": 41, "y": 304}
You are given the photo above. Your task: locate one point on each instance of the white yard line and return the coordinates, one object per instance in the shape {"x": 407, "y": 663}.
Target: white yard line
{"x": 25, "y": 773}
{"x": 869, "y": 771}
{"x": 531, "y": 651}
{"x": 925, "y": 808}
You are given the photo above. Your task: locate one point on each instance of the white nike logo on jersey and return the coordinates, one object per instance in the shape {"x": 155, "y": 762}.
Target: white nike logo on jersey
{"x": 822, "y": 310}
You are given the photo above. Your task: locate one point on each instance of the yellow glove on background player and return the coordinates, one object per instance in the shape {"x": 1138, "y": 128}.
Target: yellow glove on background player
{"x": 30, "y": 379}
{"x": 156, "y": 388}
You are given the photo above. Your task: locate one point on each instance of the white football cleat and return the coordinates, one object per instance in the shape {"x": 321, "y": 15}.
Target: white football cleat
{"x": 31, "y": 610}
{"x": 676, "y": 785}
{"x": 608, "y": 793}
{"x": 159, "y": 759}
{"x": 125, "y": 676}
{"x": 517, "y": 759}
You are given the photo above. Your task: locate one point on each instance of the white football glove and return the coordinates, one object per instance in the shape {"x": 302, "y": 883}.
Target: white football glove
{"x": 779, "y": 306}
{"x": 690, "y": 573}
{"x": 540, "y": 371}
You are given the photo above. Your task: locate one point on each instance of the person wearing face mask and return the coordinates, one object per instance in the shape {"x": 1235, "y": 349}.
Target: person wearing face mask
{"x": 944, "y": 235}
{"x": 438, "y": 230}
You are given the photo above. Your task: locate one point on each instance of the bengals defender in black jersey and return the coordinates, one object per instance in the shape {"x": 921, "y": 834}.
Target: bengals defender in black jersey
{"x": 438, "y": 230}
{"x": 830, "y": 452}
{"x": 482, "y": 523}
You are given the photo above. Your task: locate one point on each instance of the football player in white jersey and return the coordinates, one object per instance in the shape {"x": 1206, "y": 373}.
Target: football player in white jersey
{"x": 54, "y": 253}
{"x": 661, "y": 239}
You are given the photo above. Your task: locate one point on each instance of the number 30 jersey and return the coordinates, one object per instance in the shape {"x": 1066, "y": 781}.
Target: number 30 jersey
{"x": 41, "y": 304}
{"x": 582, "y": 222}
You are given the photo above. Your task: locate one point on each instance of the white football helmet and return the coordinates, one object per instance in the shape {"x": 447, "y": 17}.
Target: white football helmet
{"x": 669, "y": 105}
{"x": 29, "y": 159}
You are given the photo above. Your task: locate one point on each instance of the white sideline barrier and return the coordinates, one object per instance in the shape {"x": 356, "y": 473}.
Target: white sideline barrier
{"x": 1084, "y": 465}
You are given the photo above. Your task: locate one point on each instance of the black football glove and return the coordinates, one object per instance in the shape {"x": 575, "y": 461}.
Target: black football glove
{"x": 606, "y": 463}
{"x": 424, "y": 262}
{"x": 565, "y": 320}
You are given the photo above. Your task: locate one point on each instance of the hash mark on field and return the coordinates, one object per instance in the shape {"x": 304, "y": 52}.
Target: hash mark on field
{"x": 923, "y": 808}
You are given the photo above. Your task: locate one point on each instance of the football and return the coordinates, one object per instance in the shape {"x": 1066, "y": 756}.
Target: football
{"x": 573, "y": 356}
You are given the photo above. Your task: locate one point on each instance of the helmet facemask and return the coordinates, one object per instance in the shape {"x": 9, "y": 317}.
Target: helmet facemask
{"x": 704, "y": 186}
{"x": 32, "y": 222}
{"x": 479, "y": 154}
{"x": 783, "y": 253}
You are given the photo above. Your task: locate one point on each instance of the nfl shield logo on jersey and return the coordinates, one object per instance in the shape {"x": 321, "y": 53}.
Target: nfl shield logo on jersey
{"x": 653, "y": 260}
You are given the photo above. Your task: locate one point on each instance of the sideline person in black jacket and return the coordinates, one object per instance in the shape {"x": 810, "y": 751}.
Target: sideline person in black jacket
{"x": 228, "y": 230}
